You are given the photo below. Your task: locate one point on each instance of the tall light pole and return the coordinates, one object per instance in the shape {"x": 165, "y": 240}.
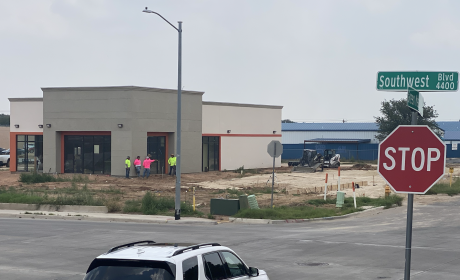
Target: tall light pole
{"x": 179, "y": 115}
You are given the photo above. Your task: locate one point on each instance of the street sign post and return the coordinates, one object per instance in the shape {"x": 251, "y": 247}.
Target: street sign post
{"x": 415, "y": 142}
{"x": 412, "y": 159}
{"x": 415, "y": 100}
{"x": 274, "y": 149}
{"x": 420, "y": 81}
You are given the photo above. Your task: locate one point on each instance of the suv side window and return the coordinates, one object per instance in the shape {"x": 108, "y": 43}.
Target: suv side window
{"x": 214, "y": 267}
{"x": 234, "y": 264}
{"x": 190, "y": 268}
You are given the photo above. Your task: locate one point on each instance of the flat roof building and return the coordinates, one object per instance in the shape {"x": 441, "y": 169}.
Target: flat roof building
{"x": 93, "y": 129}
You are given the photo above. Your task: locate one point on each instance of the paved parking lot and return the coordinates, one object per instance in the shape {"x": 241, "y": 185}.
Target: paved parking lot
{"x": 370, "y": 246}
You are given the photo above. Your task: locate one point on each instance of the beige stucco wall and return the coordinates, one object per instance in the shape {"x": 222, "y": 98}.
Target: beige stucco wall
{"x": 27, "y": 113}
{"x": 252, "y": 128}
{"x": 241, "y": 118}
{"x": 248, "y": 151}
{"x": 140, "y": 110}
{"x": 4, "y": 137}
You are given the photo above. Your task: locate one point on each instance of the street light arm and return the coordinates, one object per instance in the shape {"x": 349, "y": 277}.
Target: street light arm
{"x": 146, "y": 10}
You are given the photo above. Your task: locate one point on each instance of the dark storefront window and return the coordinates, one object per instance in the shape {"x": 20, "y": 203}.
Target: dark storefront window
{"x": 87, "y": 154}
{"x": 156, "y": 147}
{"x": 210, "y": 153}
{"x": 29, "y": 153}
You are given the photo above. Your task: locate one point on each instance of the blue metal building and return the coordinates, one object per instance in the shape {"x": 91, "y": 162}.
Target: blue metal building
{"x": 350, "y": 140}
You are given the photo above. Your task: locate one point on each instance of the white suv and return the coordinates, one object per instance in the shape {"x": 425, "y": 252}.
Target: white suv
{"x": 147, "y": 260}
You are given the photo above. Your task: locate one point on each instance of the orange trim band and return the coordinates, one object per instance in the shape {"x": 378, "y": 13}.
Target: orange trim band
{"x": 13, "y": 147}
{"x": 242, "y": 135}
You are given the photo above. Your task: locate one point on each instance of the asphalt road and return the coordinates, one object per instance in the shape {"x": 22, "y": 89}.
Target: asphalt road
{"x": 370, "y": 246}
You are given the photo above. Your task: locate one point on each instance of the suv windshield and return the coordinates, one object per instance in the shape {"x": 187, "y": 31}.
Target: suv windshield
{"x": 106, "y": 269}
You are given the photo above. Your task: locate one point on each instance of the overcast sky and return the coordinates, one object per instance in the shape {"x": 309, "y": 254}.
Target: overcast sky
{"x": 319, "y": 59}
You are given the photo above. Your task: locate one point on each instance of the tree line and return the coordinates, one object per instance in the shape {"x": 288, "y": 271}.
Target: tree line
{"x": 4, "y": 120}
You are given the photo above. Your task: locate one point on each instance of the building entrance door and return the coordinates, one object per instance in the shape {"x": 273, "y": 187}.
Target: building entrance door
{"x": 73, "y": 154}
{"x": 156, "y": 147}
{"x": 210, "y": 160}
{"x": 89, "y": 154}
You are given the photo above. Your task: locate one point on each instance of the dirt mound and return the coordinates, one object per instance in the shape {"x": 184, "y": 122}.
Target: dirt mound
{"x": 362, "y": 166}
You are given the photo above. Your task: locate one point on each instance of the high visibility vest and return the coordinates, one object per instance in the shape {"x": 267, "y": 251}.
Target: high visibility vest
{"x": 128, "y": 163}
{"x": 172, "y": 161}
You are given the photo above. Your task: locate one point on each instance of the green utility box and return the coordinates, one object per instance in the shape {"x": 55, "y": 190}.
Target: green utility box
{"x": 226, "y": 207}
{"x": 340, "y": 199}
{"x": 244, "y": 202}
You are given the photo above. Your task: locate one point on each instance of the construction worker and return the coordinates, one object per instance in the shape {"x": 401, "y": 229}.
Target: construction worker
{"x": 146, "y": 163}
{"x": 127, "y": 166}
{"x": 137, "y": 166}
{"x": 172, "y": 164}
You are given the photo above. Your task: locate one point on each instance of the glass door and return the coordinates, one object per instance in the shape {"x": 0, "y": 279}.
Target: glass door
{"x": 210, "y": 153}
{"x": 87, "y": 154}
{"x": 156, "y": 147}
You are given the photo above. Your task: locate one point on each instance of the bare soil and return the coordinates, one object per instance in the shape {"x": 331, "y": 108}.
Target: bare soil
{"x": 290, "y": 188}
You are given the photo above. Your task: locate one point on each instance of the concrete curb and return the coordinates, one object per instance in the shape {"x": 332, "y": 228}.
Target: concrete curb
{"x": 105, "y": 218}
{"x": 58, "y": 208}
{"x": 249, "y": 221}
{"x": 275, "y": 222}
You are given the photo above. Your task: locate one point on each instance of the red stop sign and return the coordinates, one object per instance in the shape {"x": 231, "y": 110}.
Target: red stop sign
{"x": 412, "y": 159}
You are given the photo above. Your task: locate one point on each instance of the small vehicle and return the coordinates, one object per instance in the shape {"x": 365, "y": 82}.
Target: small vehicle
{"x": 147, "y": 260}
{"x": 331, "y": 159}
{"x": 5, "y": 158}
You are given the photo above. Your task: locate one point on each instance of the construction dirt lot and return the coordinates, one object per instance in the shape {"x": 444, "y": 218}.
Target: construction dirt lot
{"x": 290, "y": 188}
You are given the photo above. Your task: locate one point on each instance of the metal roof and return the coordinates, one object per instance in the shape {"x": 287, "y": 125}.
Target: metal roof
{"x": 329, "y": 127}
{"x": 449, "y": 126}
{"x": 445, "y": 125}
{"x": 451, "y": 136}
{"x": 338, "y": 141}
{"x": 119, "y": 88}
{"x": 242, "y": 105}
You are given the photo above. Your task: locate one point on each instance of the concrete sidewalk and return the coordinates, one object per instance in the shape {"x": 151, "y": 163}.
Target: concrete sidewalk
{"x": 104, "y": 217}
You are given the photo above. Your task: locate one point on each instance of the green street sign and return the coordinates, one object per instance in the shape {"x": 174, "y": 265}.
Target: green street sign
{"x": 415, "y": 101}
{"x": 421, "y": 81}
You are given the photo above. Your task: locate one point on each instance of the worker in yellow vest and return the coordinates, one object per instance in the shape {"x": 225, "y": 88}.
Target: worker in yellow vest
{"x": 172, "y": 164}
{"x": 127, "y": 166}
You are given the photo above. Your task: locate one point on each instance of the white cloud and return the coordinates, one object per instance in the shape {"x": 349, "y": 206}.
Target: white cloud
{"x": 31, "y": 18}
{"x": 379, "y": 6}
{"x": 442, "y": 34}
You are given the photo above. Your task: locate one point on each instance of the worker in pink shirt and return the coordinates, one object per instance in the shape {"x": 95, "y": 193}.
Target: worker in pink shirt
{"x": 137, "y": 166}
{"x": 146, "y": 164}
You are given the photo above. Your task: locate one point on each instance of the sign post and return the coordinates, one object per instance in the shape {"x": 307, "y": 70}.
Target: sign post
{"x": 415, "y": 101}
{"x": 274, "y": 149}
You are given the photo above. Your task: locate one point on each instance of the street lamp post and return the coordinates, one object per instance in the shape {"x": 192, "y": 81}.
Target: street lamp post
{"x": 179, "y": 114}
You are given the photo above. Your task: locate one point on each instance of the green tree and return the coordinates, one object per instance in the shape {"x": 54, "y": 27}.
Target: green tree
{"x": 4, "y": 120}
{"x": 396, "y": 112}
{"x": 287, "y": 121}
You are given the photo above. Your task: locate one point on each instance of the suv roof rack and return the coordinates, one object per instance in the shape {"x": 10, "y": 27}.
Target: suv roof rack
{"x": 129, "y": 245}
{"x": 194, "y": 247}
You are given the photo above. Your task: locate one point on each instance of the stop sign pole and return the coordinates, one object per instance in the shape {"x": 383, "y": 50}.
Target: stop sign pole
{"x": 410, "y": 216}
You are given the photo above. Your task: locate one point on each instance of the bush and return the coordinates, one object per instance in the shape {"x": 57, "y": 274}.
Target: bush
{"x": 70, "y": 196}
{"x": 113, "y": 204}
{"x": 34, "y": 178}
{"x": 132, "y": 206}
{"x": 446, "y": 188}
{"x": 152, "y": 205}
{"x": 186, "y": 209}
{"x": 297, "y": 212}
